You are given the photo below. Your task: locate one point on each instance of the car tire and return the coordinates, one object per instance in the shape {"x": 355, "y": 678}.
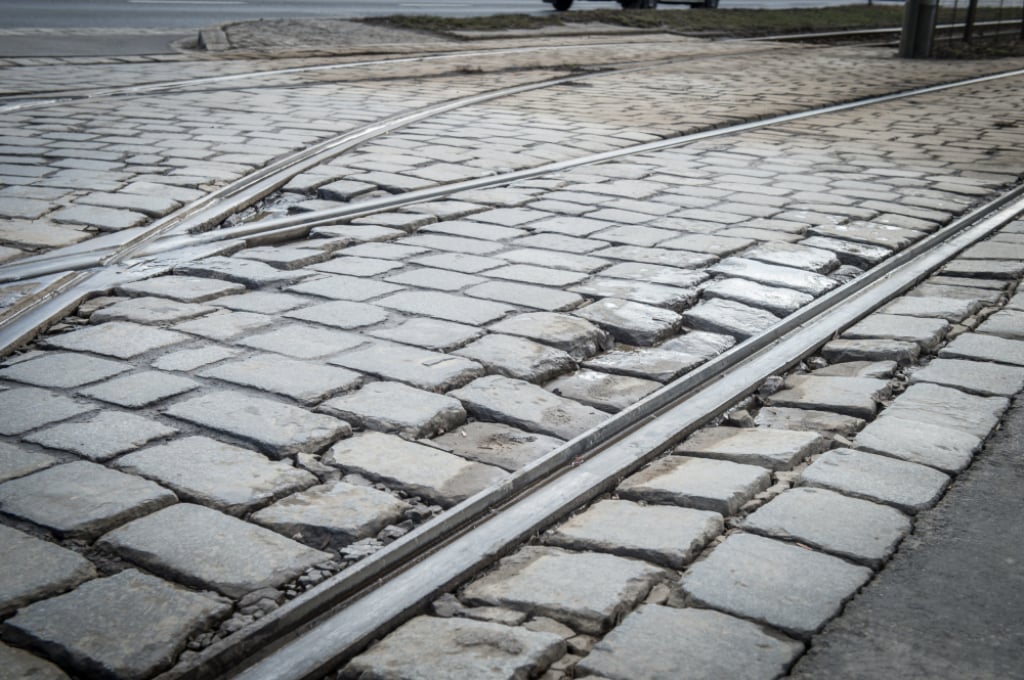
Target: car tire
{"x": 562, "y": 5}
{"x": 639, "y": 4}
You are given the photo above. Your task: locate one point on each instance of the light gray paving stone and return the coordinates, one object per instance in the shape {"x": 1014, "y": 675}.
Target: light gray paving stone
{"x": 859, "y": 369}
{"x": 983, "y": 347}
{"x": 357, "y": 266}
{"x": 996, "y": 285}
{"x": 398, "y": 408}
{"x": 250, "y": 273}
{"x": 586, "y": 591}
{"x": 752, "y": 577}
{"x": 191, "y": 359}
{"x": 666, "y": 257}
{"x": 432, "y": 334}
{"x": 518, "y": 403}
{"x": 203, "y": 548}
{"x": 304, "y": 381}
{"x": 573, "y": 226}
{"x": 497, "y": 444}
{"x": 783, "y": 418}
{"x": 526, "y": 295}
{"x": 420, "y": 368}
{"x": 332, "y": 515}
{"x": 150, "y": 310}
{"x": 440, "y": 279}
{"x": 605, "y": 391}
{"x": 708, "y": 243}
{"x": 975, "y": 377}
{"x": 62, "y": 369}
{"x": 700, "y": 343}
{"x": 550, "y": 258}
{"x": 578, "y": 337}
{"x": 103, "y": 219}
{"x": 81, "y": 499}
{"x": 862, "y": 255}
{"x": 343, "y": 235}
{"x": 345, "y": 288}
{"x": 16, "y": 461}
{"x": 120, "y": 339}
{"x": 959, "y": 292}
{"x": 953, "y": 310}
{"x": 302, "y": 341}
{"x": 778, "y": 301}
{"x": 278, "y": 429}
{"x": 459, "y": 262}
{"x": 729, "y": 317}
{"x": 386, "y": 250}
{"x": 416, "y": 469}
{"x": 820, "y": 261}
{"x": 287, "y": 257}
{"x": 994, "y": 250}
{"x": 340, "y": 314}
{"x": 881, "y": 235}
{"x": 447, "y": 306}
{"x": 984, "y": 269}
{"x": 429, "y": 648}
{"x": 947, "y": 407}
{"x": 946, "y": 448}
{"x": 926, "y": 332}
{"x": 518, "y": 357}
{"x": 670, "y": 297}
{"x": 666, "y": 535}
{"x": 845, "y": 350}
{"x": 649, "y": 363}
{"x": 39, "y": 234}
{"x": 108, "y": 434}
{"x": 225, "y": 477}
{"x": 775, "y": 275}
{"x": 32, "y": 569}
{"x": 152, "y": 205}
{"x": 857, "y": 397}
{"x": 343, "y": 190}
{"x": 140, "y": 389}
{"x": 27, "y": 408}
{"x": 776, "y": 449}
{"x": 129, "y": 626}
{"x": 181, "y": 288}
{"x": 702, "y": 483}
{"x": 542, "y": 276}
{"x": 225, "y": 325}
{"x": 21, "y": 664}
{"x": 657, "y": 642}
{"x": 1006, "y": 323}
{"x": 851, "y": 528}
{"x": 631, "y": 322}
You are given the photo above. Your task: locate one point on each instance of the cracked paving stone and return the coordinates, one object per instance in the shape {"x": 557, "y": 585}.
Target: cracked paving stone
{"x": 907, "y": 486}
{"x": 306, "y": 382}
{"x": 126, "y": 627}
{"x": 180, "y": 288}
{"x": 417, "y": 367}
{"x": 27, "y": 408}
{"x": 631, "y": 322}
{"x": 1006, "y": 323}
{"x": 332, "y": 515}
{"x": 228, "y": 478}
{"x": 32, "y": 569}
{"x": 120, "y": 339}
{"x": 845, "y": 350}
{"x": 416, "y": 469}
{"x": 20, "y": 664}
{"x": 81, "y": 499}
{"x": 431, "y": 334}
{"x": 752, "y": 577}
{"x": 975, "y": 377}
{"x": 340, "y": 314}
{"x": 526, "y": 295}
{"x": 729, "y": 317}
{"x": 655, "y": 642}
{"x": 278, "y": 429}
{"x": 16, "y": 461}
{"x": 224, "y": 325}
{"x": 150, "y": 310}
{"x": 397, "y": 408}
{"x": 953, "y": 310}
{"x": 588, "y": 592}
{"x": 857, "y": 397}
{"x": 344, "y": 288}
{"x": 783, "y": 418}
{"x": 496, "y": 444}
{"x": 300, "y": 341}
{"x": 775, "y": 275}
{"x": 778, "y": 301}
{"x": 62, "y": 369}
{"x": 204, "y": 548}
{"x": 663, "y": 534}
{"x": 983, "y": 347}
{"x": 447, "y": 306}
{"x": 671, "y": 297}
{"x": 649, "y": 363}
{"x": 521, "y": 404}
{"x": 776, "y": 449}
{"x": 140, "y": 389}
{"x": 429, "y": 648}
{"x": 701, "y": 483}
{"x": 926, "y": 332}
{"x": 852, "y": 528}
{"x": 577, "y": 337}
{"x": 700, "y": 343}
{"x": 947, "y": 407}
{"x": 250, "y": 273}
{"x": 109, "y": 434}
{"x": 604, "y": 391}
{"x": 518, "y": 357}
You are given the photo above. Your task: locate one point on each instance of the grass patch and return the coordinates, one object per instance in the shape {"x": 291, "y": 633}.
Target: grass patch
{"x": 979, "y": 49}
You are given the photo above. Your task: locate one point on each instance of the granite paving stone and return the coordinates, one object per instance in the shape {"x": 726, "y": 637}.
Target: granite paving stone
{"x": 103, "y": 219}
{"x": 776, "y": 449}
{"x": 549, "y": 258}
{"x": 181, "y": 288}
{"x": 438, "y": 649}
{"x": 32, "y": 569}
{"x": 191, "y": 359}
{"x": 708, "y": 243}
{"x": 521, "y": 404}
{"x": 250, "y": 273}
{"x": 953, "y": 310}
{"x": 778, "y": 301}
{"x": 983, "y": 347}
{"x": 345, "y": 288}
{"x": 926, "y": 332}
{"x": 459, "y": 262}
{"x": 669, "y": 276}
{"x": 586, "y": 591}
{"x": 784, "y": 418}
{"x": 81, "y": 499}
{"x": 975, "y": 377}
{"x": 225, "y": 325}
{"x": 947, "y": 407}
{"x": 526, "y": 295}
{"x": 332, "y": 515}
{"x": 37, "y": 234}
{"x": 666, "y": 535}
{"x": 340, "y": 314}
{"x": 203, "y": 548}
{"x": 305, "y": 381}
{"x": 141, "y": 388}
{"x": 775, "y": 275}
{"x": 153, "y": 205}
{"x": 416, "y": 469}
{"x": 907, "y": 486}
{"x": 862, "y": 255}
{"x": 671, "y": 297}
{"x": 497, "y": 444}
{"x": 128, "y": 626}
{"x": 62, "y": 369}
{"x": 960, "y": 291}
{"x": 225, "y": 477}
{"x": 666, "y": 257}
{"x": 700, "y": 343}
{"x": 578, "y": 337}
{"x": 859, "y": 369}
{"x": 1006, "y": 323}
{"x": 985, "y": 269}
{"x": 27, "y": 408}
{"x": 857, "y": 397}
{"x": 728, "y": 317}
{"x": 357, "y": 266}
{"x": 879, "y": 235}
{"x": 432, "y": 334}
{"x": 420, "y": 368}
{"x": 752, "y": 577}
{"x": 394, "y": 407}
{"x": 843, "y": 350}
{"x": 820, "y": 261}
{"x": 103, "y": 436}
{"x": 278, "y": 429}
{"x": 447, "y": 306}
{"x": 302, "y": 341}
{"x": 440, "y": 279}
{"x": 543, "y": 276}
{"x": 150, "y": 310}
{"x": 655, "y": 642}
{"x": 631, "y": 322}
{"x": 649, "y": 363}
{"x": 518, "y": 357}
{"x": 946, "y": 448}
{"x": 605, "y": 391}
{"x": 120, "y": 339}
{"x": 17, "y": 461}
{"x": 851, "y": 528}
{"x": 702, "y": 483}
{"x": 288, "y": 257}
{"x": 21, "y": 664}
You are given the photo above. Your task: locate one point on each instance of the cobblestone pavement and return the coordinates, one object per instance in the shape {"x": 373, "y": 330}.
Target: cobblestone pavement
{"x": 211, "y": 443}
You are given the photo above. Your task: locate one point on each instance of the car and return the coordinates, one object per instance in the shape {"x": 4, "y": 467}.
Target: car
{"x": 563, "y": 5}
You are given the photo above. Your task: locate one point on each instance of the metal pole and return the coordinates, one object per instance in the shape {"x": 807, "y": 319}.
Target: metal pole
{"x": 919, "y": 19}
{"x": 972, "y": 13}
